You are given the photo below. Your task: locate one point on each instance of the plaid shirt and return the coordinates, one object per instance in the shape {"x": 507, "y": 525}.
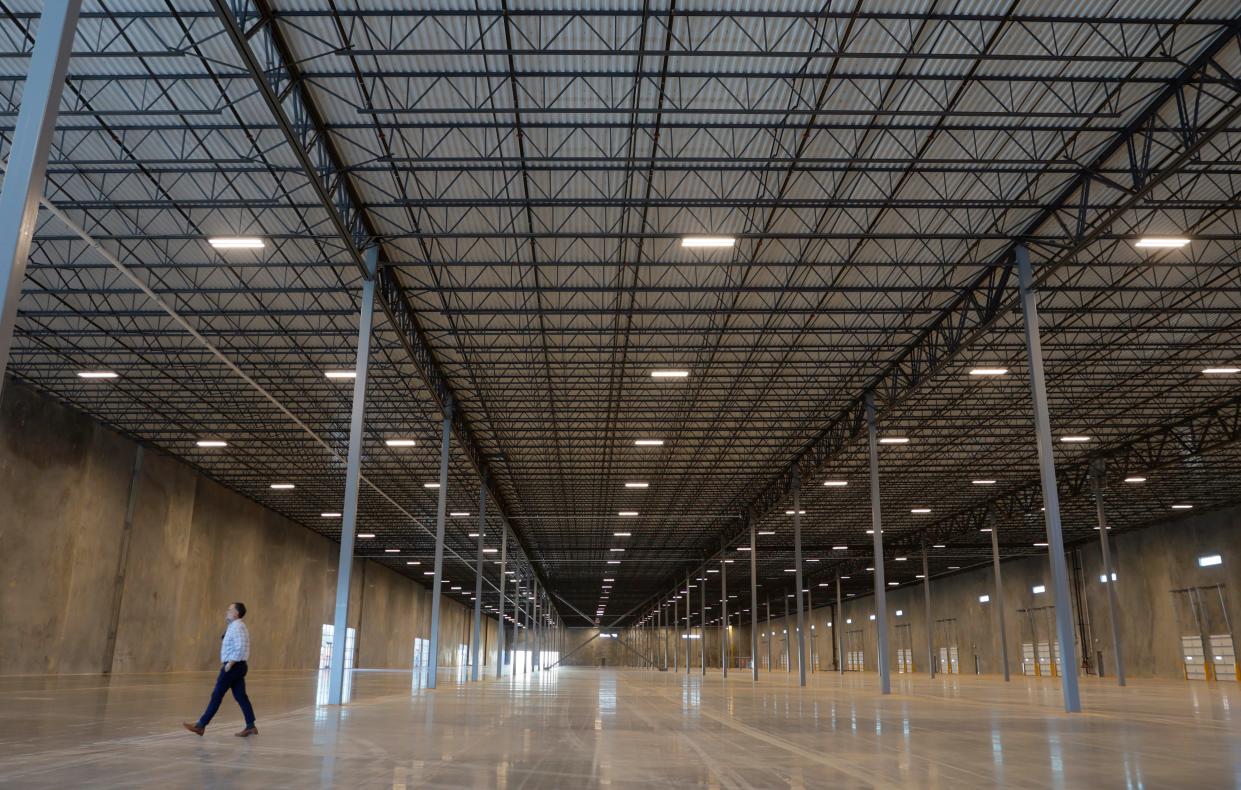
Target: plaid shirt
{"x": 235, "y": 644}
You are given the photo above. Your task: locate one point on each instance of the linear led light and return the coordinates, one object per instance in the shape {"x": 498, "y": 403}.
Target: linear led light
{"x": 708, "y": 241}
{"x": 329, "y": 515}
{"x": 609, "y": 580}
{"x": 282, "y": 486}
{"x": 459, "y": 514}
{"x": 613, "y": 562}
{"x": 648, "y": 442}
{"x": 872, "y": 617}
{"x": 1074, "y": 439}
{"x": 430, "y": 485}
{"x": 363, "y": 535}
{"x": 490, "y": 551}
{"x": 989, "y": 372}
{"x": 1161, "y": 242}
{"x": 766, "y": 532}
{"x": 1040, "y": 545}
{"x": 211, "y": 443}
{"x": 1103, "y": 577}
{"x": 789, "y": 512}
{"x": 835, "y": 483}
{"x": 983, "y": 482}
{"x": 669, "y": 374}
{"x": 900, "y": 612}
{"x": 392, "y": 551}
{"x": 984, "y": 599}
{"x": 1182, "y": 507}
{"x": 743, "y": 548}
{"x": 939, "y": 545}
{"x": 1209, "y": 560}
{"x": 340, "y": 374}
{"x": 920, "y": 510}
{"x": 902, "y": 559}
{"x": 615, "y": 549}
{"x": 401, "y": 442}
{"x": 96, "y": 374}
{"x": 412, "y": 562}
{"x": 840, "y": 548}
{"x": 620, "y": 534}
{"x": 1038, "y": 589}
{"x": 894, "y": 440}
{"x": 637, "y": 485}
{"x": 473, "y": 534}
{"x": 236, "y": 243}
{"x": 790, "y": 570}
{"x": 627, "y": 513}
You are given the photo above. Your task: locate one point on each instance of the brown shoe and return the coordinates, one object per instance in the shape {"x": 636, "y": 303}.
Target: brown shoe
{"x": 247, "y": 732}
{"x": 193, "y": 727}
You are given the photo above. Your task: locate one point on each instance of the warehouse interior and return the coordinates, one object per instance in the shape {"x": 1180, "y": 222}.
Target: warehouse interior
{"x": 678, "y": 393}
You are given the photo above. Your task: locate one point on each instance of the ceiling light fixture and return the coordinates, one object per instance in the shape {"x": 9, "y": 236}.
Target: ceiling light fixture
{"x": 282, "y": 486}
{"x": 1161, "y": 242}
{"x": 835, "y": 483}
{"x": 669, "y": 374}
{"x": 329, "y": 515}
{"x": 96, "y": 374}
{"x": 401, "y": 442}
{"x": 989, "y": 372}
{"x": 1074, "y": 439}
{"x": 983, "y": 482}
{"x": 341, "y": 375}
{"x": 236, "y": 242}
{"x": 459, "y": 514}
{"x": 430, "y": 485}
{"x": 211, "y": 443}
{"x": 620, "y": 534}
{"x": 637, "y": 485}
{"x": 894, "y": 440}
{"x": 648, "y": 442}
{"x": 708, "y": 241}
{"x": 627, "y": 513}
{"x": 1135, "y": 479}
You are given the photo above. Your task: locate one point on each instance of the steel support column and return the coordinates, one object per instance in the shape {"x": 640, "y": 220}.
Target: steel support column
{"x": 503, "y": 577}
{"x": 930, "y": 621}
{"x": 1047, "y": 474}
{"x": 771, "y": 636}
{"x": 478, "y": 579}
{"x": 353, "y": 472}
{"x": 1113, "y": 608}
{"x": 437, "y": 578}
{"x": 795, "y": 483}
{"x": 723, "y": 613}
{"x": 837, "y": 633}
{"x": 32, "y": 139}
{"x": 702, "y": 627}
{"x": 788, "y": 648}
{"x": 676, "y": 633}
{"x": 876, "y": 520}
{"x": 753, "y": 597}
{"x": 998, "y": 603}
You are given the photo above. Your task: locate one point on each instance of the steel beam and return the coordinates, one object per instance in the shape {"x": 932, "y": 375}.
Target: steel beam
{"x": 1047, "y": 474}
{"x": 27, "y": 163}
{"x": 930, "y": 621}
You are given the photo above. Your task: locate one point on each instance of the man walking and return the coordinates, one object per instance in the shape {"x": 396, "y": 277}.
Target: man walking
{"x": 234, "y": 652}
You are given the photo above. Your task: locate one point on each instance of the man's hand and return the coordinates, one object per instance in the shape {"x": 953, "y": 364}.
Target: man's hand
{"x": 228, "y": 667}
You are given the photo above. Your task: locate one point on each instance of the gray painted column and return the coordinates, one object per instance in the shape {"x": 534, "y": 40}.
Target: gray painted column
{"x": 753, "y": 599}
{"x": 837, "y": 630}
{"x": 536, "y": 626}
{"x": 999, "y": 595}
{"x": 438, "y": 576}
{"x": 876, "y": 520}
{"x": 702, "y": 627}
{"x": 503, "y": 577}
{"x": 478, "y": 579}
{"x": 689, "y": 622}
{"x": 771, "y": 636}
{"x": 27, "y": 165}
{"x": 788, "y": 652}
{"x": 930, "y": 621}
{"x": 676, "y": 634}
{"x": 723, "y": 613}
{"x": 1047, "y": 474}
{"x": 797, "y": 575}
{"x": 353, "y": 472}
{"x": 1096, "y": 481}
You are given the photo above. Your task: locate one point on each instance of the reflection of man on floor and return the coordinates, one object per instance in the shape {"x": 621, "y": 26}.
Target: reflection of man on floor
{"x": 234, "y": 652}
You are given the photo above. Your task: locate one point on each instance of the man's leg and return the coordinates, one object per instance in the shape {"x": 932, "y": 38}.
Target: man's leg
{"x": 222, "y": 682}
{"x": 239, "y": 694}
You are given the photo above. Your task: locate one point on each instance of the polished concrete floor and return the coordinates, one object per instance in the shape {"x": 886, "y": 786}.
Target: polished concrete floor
{"x": 582, "y": 728}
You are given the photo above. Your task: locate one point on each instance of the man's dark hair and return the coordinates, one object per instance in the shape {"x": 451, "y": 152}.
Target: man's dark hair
{"x": 241, "y": 609}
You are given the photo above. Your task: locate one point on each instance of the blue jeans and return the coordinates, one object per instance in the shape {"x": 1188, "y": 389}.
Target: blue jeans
{"x": 234, "y": 679}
